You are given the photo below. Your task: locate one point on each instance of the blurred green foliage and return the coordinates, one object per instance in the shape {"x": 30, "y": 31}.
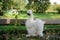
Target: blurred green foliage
{"x": 38, "y": 6}
{"x": 58, "y": 9}
{"x": 4, "y": 5}
{"x": 54, "y": 8}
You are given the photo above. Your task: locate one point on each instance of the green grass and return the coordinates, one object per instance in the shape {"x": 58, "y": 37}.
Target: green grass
{"x": 36, "y": 15}
{"x": 47, "y": 16}
{"x": 19, "y": 36}
{"x": 11, "y": 27}
{"x": 20, "y": 27}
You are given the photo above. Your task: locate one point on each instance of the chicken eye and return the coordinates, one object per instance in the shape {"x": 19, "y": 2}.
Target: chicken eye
{"x": 28, "y": 14}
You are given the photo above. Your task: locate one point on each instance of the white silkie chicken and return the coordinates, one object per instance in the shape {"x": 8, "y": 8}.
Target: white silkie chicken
{"x": 34, "y": 27}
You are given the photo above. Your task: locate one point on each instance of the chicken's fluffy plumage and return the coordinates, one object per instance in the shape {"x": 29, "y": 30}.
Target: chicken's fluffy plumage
{"x": 34, "y": 27}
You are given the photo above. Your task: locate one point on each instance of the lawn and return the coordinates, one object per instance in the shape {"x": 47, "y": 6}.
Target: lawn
{"x": 23, "y": 15}
{"x": 22, "y": 27}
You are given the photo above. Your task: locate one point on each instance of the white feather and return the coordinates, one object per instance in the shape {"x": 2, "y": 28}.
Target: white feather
{"x": 34, "y": 27}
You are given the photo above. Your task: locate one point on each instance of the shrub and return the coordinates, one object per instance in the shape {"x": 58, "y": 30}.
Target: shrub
{"x": 58, "y": 9}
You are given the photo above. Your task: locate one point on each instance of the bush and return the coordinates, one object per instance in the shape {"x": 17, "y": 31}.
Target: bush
{"x": 38, "y": 6}
{"x": 58, "y": 9}
{"x": 1, "y": 13}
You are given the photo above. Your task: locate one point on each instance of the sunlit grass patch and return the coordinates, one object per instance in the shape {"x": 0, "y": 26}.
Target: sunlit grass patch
{"x": 23, "y": 15}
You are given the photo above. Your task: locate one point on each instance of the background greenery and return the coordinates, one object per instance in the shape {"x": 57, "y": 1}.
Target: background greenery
{"x": 23, "y": 15}
{"x": 42, "y": 9}
{"x": 35, "y": 5}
